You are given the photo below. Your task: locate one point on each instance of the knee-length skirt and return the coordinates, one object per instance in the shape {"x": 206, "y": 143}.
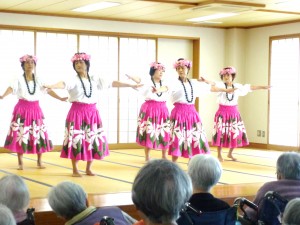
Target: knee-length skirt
{"x": 188, "y": 137}
{"x": 84, "y": 135}
{"x": 27, "y": 132}
{"x": 229, "y": 130}
{"x": 153, "y": 129}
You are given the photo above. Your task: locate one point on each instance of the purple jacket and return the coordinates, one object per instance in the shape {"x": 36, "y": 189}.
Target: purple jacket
{"x": 97, "y": 215}
{"x": 288, "y": 189}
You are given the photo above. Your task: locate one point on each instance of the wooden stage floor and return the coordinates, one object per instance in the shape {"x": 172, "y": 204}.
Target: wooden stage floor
{"x": 116, "y": 172}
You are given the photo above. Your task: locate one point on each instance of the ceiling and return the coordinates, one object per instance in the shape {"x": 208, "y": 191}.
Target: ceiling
{"x": 247, "y": 13}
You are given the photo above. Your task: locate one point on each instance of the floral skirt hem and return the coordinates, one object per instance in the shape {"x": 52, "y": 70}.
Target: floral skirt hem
{"x": 188, "y": 137}
{"x": 229, "y": 130}
{"x": 153, "y": 129}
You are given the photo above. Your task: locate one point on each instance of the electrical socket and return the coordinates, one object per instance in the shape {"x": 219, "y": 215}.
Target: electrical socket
{"x": 263, "y": 133}
{"x": 258, "y": 133}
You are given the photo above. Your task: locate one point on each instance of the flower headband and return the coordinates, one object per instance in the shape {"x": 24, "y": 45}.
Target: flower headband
{"x": 181, "y": 63}
{"x": 157, "y": 66}
{"x": 227, "y": 70}
{"x": 81, "y": 56}
{"x": 25, "y": 57}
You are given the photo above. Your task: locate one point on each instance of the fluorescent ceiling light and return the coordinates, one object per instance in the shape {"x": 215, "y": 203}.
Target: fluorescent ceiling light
{"x": 212, "y": 17}
{"x": 96, "y": 6}
{"x": 216, "y": 22}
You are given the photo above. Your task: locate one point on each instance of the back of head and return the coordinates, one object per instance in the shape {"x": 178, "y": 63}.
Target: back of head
{"x": 14, "y": 193}
{"x": 291, "y": 215}
{"x": 160, "y": 190}
{"x": 6, "y": 216}
{"x": 67, "y": 199}
{"x": 288, "y": 165}
{"x": 205, "y": 172}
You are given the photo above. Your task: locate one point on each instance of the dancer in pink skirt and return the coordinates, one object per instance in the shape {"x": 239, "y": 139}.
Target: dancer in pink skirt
{"x": 187, "y": 134}
{"x": 84, "y": 135}
{"x": 229, "y": 130}
{"x": 27, "y": 133}
{"x": 153, "y": 129}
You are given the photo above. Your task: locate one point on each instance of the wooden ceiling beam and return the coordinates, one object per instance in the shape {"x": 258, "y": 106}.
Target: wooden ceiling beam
{"x": 187, "y": 5}
{"x": 277, "y": 11}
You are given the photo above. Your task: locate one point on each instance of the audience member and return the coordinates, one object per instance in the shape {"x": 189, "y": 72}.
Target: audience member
{"x": 160, "y": 191}
{"x": 287, "y": 183}
{"x": 291, "y": 215}
{"x": 15, "y": 195}
{"x": 69, "y": 201}
{"x": 6, "y": 216}
{"x": 205, "y": 172}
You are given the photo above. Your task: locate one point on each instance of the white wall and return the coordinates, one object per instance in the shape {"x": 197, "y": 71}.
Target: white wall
{"x": 255, "y": 111}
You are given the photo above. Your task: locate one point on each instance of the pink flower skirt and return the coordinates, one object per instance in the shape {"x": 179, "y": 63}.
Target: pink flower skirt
{"x": 84, "y": 135}
{"x": 153, "y": 129}
{"x": 27, "y": 132}
{"x": 187, "y": 134}
{"x": 229, "y": 130}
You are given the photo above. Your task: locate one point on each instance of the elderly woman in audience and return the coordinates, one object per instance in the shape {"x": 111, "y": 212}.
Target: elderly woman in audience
{"x": 6, "y": 216}
{"x": 69, "y": 201}
{"x": 287, "y": 184}
{"x": 291, "y": 215}
{"x": 205, "y": 172}
{"x": 15, "y": 195}
{"x": 159, "y": 192}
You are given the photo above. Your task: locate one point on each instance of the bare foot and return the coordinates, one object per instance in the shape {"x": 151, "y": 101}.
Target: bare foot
{"x": 89, "y": 173}
{"x": 20, "y": 167}
{"x": 40, "y": 166}
{"x": 231, "y": 157}
{"x": 76, "y": 175}
{"x": 220, "y": 158}
{"x": 147, "y": 158}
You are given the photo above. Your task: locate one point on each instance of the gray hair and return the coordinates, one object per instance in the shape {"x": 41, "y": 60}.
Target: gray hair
{"x": 288, "y": 165}
{"x": 6, "y": 216}
{"x": 14, "y": 193}
{"x": 205, "y": 172}
{"x": 160, "y": 190}
{"x": 291, "y": 215}
{"x": 67, "y": 199}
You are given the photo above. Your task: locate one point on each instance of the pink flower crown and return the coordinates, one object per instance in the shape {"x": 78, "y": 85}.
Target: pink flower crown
{"x": 157, "y": 66}
{"x": 182, "y": 63}
{"x": 81, "y": 56}
{"x": 227, "y": 70}
{"x": 25, "y": 57}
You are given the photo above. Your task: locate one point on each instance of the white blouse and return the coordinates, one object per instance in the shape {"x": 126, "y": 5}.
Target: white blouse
{"x": 178, "y": 94}
{"x": 76, "y": 91}
{"x": 146, "y": 91}
{"x": 20, "y": 88}
{"x": 242, "y": 90}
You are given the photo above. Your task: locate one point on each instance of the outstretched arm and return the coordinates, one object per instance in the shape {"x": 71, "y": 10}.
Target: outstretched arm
{"x": 253, "y": 88}
{"x": 136, "y": 79}
{"x": 202, "y": 79}
{"x": 122, "y": 84}
{"x": 217, "y": 89}
{"x": 8, "y": 91}
{"x": 54, "y": 95}
{"x": 214, "y": 88}
{"x": 59, "y": 85}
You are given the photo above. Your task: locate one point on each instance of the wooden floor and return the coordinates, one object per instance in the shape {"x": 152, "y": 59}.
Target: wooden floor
{"x": 115, "y": 174}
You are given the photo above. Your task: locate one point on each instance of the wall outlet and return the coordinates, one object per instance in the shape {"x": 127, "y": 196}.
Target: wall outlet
{"x": 258, "y": 133}
{"x": 263, "y": 133}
